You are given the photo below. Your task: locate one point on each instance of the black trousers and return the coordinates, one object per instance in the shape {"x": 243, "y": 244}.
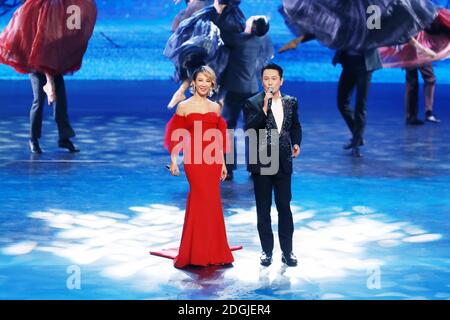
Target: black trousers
{"x": 354, "y": 75}
{"x": 234, "y": 104}
{"x": 65, "y": 130}
{"x": 412, "y": 90}
{"x": 280, "y": 184}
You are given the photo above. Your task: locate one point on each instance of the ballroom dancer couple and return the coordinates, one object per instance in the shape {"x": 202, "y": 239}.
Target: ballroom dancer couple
{"x": 206, "y": 38}
{"x": 431, "y": 44}
{"x": 407, "y": 33}
{"x": 47, "y": 39}
{"x": 198, "y": 130}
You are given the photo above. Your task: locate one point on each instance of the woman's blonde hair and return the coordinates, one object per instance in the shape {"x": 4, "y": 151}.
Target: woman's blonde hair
{"x": 210, "y": 74}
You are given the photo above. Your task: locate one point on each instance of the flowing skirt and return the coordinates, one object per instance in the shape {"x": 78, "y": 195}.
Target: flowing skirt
{"x": 351, "y": 25}
{"x": 437, "y": 39}
{"x": 48, "y": 36}
{"x": 196, "y": 42}
{"x": 192, "y": 8}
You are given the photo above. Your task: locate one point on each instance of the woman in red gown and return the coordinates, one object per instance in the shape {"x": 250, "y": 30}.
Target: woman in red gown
{"x": 48, "y": 36}
{"x": 198, "y": 129}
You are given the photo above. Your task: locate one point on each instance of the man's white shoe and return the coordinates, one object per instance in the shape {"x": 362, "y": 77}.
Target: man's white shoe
{"x": 433, "y": 119}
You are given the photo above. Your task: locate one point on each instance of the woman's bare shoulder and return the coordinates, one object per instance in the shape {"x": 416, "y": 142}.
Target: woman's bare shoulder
{"x": 183, "y": 106}
{"x": 215, "y": 107}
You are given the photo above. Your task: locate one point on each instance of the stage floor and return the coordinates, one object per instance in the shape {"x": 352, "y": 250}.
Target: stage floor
{"x": 369, "y": 228}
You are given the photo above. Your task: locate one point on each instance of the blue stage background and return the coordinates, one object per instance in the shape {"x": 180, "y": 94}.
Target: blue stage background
{"x": 139, "y": 30}
{"x": 102, "y": 210}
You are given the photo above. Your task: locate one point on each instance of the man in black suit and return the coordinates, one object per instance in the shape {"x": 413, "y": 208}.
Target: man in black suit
{"x": 273, "y": 121}
{"x": 249, "y": 51}
{"x": 38, "y": 80}
{"x": 357, "y": 69}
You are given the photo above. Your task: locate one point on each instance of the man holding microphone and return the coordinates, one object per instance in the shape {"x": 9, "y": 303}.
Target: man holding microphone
{"x": 279, "y": 133}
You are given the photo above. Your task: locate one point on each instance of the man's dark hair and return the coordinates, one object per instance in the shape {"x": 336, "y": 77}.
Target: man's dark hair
{"x": 272, "y": 66}
{"x": 260, "y": 27}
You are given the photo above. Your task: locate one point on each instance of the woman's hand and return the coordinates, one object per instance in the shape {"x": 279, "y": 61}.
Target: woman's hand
{"x": 422, "y": 49}
{"x": 219, "y": 7}
{"x": 295, "y": 151}
{"x": 174, "y": 170}
{"x": 430, "y": 53}
{"x": 291, "y": 44}
{"x": 223, "y": 174}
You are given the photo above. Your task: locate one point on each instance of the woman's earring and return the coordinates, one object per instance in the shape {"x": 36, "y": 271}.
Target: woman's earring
{"x": 211, "y": 93}
{"x": 192, "y": 89}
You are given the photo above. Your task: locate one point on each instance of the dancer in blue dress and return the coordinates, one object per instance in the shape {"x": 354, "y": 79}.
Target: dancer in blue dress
{"x": 197, "y": 42}
{"x": 192, "y": 6}
{"x": 352, "y": 25}
{"x": 356, "y": 29}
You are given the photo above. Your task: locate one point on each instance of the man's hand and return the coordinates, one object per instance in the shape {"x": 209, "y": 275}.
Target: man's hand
{"x": 268, "y": 96}
{"x": 219, "y": 7}
{"x": 295, "y": 151}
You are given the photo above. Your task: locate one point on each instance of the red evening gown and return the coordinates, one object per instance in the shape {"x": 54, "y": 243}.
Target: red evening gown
{"x": 43, "y": 36}
{"x": 204, "y": 240}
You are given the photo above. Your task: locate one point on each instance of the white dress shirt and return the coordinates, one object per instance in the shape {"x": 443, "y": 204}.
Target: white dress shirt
{"x": 277, "y": 111}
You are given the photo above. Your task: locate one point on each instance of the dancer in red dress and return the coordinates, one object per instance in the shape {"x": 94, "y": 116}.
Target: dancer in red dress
{"x": 48, "y": 36}
{"x": 202, "y": 133}
{"x": 431, "y": 44}
{"x": 48, "y": 39}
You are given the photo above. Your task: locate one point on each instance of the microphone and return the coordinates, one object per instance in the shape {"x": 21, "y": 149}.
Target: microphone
{"x": 269, "y": 102}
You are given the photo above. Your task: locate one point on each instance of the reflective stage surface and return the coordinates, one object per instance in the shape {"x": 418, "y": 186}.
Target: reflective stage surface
{"x": 369, "y": 228}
